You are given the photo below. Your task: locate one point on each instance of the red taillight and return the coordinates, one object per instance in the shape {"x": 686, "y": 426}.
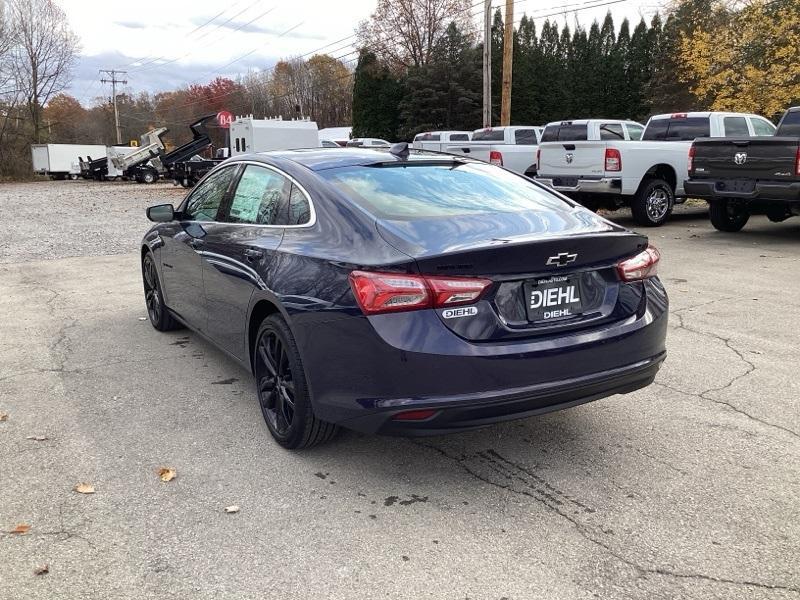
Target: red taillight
{"x": 393, "y": 292}
{"x": 678, "y": 116}
{"x": 797, "y": 163}
{"x": 613, "y": 160}
{"x": 415, "y": 415}
{"x": 690, "y": 163}
{"x": 641, "y": 266}
{"x": 496, "y": 158}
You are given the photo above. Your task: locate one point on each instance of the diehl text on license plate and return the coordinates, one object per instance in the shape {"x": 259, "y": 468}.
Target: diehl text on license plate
{"x": 553, "y": 298}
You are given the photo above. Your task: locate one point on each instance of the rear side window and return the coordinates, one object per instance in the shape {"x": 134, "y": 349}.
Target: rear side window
{"x": 736, "y": 127}
{"x": 488, "y": 135}
{"x": 525, "y": 137}
{"x": 790, "y": 124}
{"x": 635, "y": 131}
{"x": 611, "y": 131}
{"x": 459, "y": 137}
{"x": 565, "y": 132}
{"x": 429, "y": 191}
{"x": 678, "y": 129}
{"x": 258, "y": 197}
{"x": 762, "y": 127}
{"x": 205, "y": 200}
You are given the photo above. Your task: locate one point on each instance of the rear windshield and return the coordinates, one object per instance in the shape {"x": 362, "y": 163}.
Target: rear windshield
{"x": 566, "y": 132}
{"x": 488, "y": 135}
{"x": 427, "y": 191}
{"x": 681, "y": 129}
{"x": 459, "y": 137}
{"x": 790, "y": 125}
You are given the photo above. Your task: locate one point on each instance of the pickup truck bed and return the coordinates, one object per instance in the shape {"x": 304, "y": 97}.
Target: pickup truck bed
{"x": 748, "y": 175}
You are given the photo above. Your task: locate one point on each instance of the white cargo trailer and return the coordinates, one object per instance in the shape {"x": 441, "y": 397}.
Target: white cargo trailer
{"x": 261, "y": 135}
{"x": 60, "y": 161}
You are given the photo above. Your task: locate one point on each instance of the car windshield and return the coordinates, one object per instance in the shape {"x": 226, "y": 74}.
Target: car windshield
{"x": 428, "y": 191}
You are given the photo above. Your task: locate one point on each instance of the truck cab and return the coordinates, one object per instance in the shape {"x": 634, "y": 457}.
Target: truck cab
{"x": 440, "y": 141}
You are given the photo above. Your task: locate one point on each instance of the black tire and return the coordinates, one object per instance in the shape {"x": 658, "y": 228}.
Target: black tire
{"x": 73, "y": 177}
{"x": 653, "y": 203}
{"x": 149, "y": 177}
{"x": 282, "y": 388}
{"x": 727, "y": 216}
{"x": 160, "y": 317}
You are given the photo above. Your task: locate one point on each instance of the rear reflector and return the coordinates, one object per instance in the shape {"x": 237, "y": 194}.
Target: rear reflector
{"x": 613, "y": 160}
{"x": 690, "y": 163}
{"x": 415, "y": 415}
{"x": 378, "y": 292}
{"x": 496, "y": 158}
{"x": 641, "y": 266}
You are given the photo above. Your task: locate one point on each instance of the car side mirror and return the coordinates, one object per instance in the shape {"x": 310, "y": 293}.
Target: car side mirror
{"x": 161, "y": 213}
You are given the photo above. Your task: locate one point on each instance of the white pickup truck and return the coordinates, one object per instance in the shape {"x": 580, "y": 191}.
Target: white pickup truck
{"x": 604, "y": 164}
{"x": 512, "y": 147}
{"x": 440, "y": 141}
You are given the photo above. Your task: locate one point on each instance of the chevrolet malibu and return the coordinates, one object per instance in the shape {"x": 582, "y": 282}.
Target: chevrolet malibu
{"x": 405, "y": 293}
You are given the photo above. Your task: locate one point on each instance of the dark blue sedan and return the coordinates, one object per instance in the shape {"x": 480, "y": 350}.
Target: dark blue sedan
{"x": 404, "y": 293}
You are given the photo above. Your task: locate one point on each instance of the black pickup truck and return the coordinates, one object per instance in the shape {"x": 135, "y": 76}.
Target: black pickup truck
{"x": 749, "y": 175}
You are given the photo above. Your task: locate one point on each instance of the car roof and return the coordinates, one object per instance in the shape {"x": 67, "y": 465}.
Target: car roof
{"x": 319, "y": 159}
{"x": 588, "y": 121}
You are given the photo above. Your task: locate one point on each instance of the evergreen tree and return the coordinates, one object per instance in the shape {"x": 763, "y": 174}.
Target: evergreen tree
{"x": 447, "y": 92}
{"x": 376, "y": 97}
{"x": 639, "y": 68}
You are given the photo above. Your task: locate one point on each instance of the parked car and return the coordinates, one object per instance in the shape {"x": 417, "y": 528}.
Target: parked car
{"x": 368, "y": 143}
{"x": 589, "y": 161}
{"x": 440, "y": 141}
{"x": 748, "y": 175}
{"x": 512, "y": 147}
{"x": 443, "y": 295}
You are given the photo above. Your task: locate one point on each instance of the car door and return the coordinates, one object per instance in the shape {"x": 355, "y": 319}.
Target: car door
{"x": 238, "y": 253}
{"x": 183, "y": 246}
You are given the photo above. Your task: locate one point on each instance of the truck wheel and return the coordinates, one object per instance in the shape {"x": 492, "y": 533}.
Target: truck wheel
{"x": 148, "y": 177}
{"x": 727, "y": 216}
{"x": 73, "y": 176}
{"x": 652, "y": 204}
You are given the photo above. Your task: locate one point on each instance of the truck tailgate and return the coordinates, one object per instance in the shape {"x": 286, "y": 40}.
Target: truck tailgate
{"x": 581, "y": 159}
{"x": 772, "y": 158}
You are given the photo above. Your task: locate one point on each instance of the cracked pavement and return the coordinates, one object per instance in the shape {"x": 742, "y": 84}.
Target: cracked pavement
{"x": 687, "y": 489}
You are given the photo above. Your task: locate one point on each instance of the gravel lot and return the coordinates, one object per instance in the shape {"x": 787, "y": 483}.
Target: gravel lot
{"x": 687, "y": 489}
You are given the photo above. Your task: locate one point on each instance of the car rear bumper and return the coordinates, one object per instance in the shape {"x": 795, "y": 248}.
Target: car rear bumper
{"x": 762, "y": 190}
{"x": 601, "y": 185}
{"x": 471, "y": 411}
{"x": 363, "y": 371}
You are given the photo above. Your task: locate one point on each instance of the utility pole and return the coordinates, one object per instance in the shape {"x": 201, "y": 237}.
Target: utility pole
{"x": 508, "y": 59}
{"x": 114, "y": 81}
{"x": 487, "y": 63}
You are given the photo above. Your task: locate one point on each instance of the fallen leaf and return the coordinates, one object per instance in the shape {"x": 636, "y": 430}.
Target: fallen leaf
{"x": 41, "y": 569}
{"x": 22, "y": 528}
{"x": 167, "y": 473}
{"x": 84, "y": 488}
{"x": 3, "y": 416}
{"x": 36, "y": 438}
{"x": 232, "y": 509}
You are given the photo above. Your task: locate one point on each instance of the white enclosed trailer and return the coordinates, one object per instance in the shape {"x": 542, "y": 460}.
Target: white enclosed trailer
{"x": 261, "y": 135}
{"x": 60, "y": 161}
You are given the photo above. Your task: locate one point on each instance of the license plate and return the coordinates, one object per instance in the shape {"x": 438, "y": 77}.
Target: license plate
{"x": 553, "y": 298}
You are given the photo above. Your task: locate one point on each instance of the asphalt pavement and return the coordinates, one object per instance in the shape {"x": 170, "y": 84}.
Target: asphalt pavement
{"x": 689, "y": 488}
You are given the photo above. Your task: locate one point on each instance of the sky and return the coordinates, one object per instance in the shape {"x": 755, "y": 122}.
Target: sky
{"x": 165, "y": 44}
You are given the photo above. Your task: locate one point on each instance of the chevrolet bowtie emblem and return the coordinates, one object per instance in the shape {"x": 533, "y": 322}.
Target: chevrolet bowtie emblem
{"x": 561, "y": 259}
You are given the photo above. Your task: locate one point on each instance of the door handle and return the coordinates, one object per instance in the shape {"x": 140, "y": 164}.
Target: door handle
{"x": 252, "y": 254}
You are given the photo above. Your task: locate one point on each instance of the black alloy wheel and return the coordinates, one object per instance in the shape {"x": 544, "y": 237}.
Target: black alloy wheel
{"x": 283, "y": 390}
{"x": 276, "y": 391}
{"x": 153, "y": 299}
